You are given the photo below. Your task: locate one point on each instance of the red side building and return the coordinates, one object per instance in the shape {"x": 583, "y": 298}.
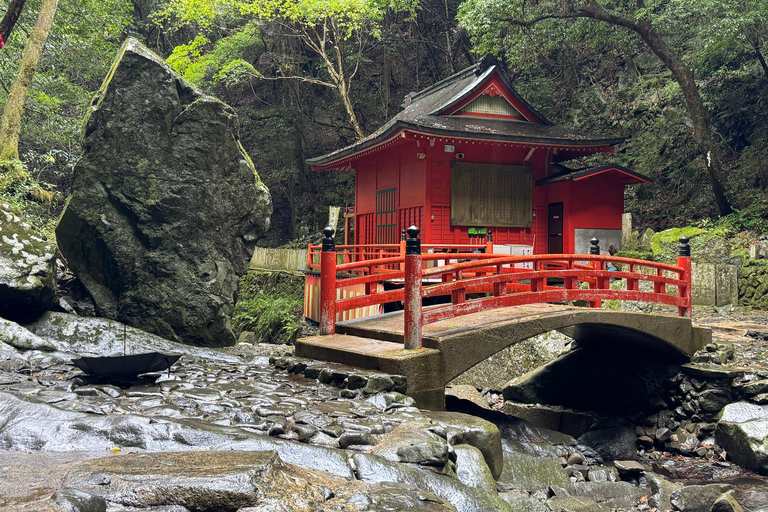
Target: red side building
{"x": 469, "y": 155}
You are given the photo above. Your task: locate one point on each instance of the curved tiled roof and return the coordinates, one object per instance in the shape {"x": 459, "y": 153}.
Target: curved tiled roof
{"x": 421, "y": 113}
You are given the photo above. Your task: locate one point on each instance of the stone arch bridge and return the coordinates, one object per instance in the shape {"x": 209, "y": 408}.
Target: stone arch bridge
{"x": 452, "y": 346}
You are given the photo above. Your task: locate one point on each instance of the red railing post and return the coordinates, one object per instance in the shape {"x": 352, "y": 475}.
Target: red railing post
{"x": 328, "y": 283}
{"x": 597, "y": 265}
{"x": 684, "y": 262}
{"x": 402, "y": 248}
{"x": 412, "y": 292}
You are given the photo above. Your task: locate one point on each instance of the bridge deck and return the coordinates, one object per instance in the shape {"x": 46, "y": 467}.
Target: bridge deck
{"x": 452, "y": 346}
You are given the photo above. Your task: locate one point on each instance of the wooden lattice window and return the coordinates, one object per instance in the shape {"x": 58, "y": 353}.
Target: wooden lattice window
{"x": 494, "y": 105}
{"x": 491, "y": 195}
{"x": 386, "y": 217}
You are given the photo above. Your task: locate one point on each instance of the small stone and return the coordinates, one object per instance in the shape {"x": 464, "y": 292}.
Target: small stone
{"x": 698, "y": 497}
{"x": 401, "y": 383}
{"x": 356, "y": 381}
{"x": 603, "y": 474}
{"x": 304, "y": 431}
{"x": 663, "y": 434}
{"x": 277, "y": 427}
{"x": 332, "y": 377}
{"x": 645, "y": 442}
{"x": 701, "y": 451}
{"x": 575, "y": 458}
{"x": 726, "y": 503}
{"x": 100, "y": 478}
{"x": 355, "y": 438}
{"x": 755, "y": 388}
{"x": 378, "y": 383}
{"x": 628, "y": 467}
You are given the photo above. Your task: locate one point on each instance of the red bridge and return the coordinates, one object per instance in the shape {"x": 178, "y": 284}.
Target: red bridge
{"x": 489, "y": 302}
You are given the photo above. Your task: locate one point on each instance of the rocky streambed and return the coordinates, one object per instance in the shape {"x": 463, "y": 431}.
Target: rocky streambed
{"x": 253, "y": 428}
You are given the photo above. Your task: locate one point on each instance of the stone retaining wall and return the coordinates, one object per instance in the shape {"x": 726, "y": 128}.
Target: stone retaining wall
{"x": 290, "y": 260}
{"x": 753, "y": 284}
{"x": 714, "y": 284}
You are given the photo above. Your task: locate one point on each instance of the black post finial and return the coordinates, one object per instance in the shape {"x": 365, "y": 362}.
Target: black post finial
{"x": 595, "y": 248}
{"x": 490, "y": 236}
{"x": 684, "y": 249}
{"x": 329, "y": 242}
{"x": 412, "y": 243}
{"x": 402, "y": 236}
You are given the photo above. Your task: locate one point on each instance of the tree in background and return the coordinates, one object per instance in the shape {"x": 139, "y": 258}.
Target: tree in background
{"x": 10, "y": 124}
{"x": 9, "y": 20}
{"x": 494, "y": 21}
{"x": 339, "y": 33}
{"x": 733, "y": 29}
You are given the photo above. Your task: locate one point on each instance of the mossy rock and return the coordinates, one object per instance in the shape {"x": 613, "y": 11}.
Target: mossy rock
{"x": 635, "y": 255}
{"x": 27, "y": 267}
{"x": 706, "y": 246}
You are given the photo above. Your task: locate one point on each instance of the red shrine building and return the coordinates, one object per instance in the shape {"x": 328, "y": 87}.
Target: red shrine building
{"x": 468, "y": 156}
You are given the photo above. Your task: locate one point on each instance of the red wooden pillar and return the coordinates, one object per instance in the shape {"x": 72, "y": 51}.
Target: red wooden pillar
{"x": 684, "y": 262}
{"x": 328, "y": 283}
{"x": 412, "y": 292}
{"x": 597, "y": 265}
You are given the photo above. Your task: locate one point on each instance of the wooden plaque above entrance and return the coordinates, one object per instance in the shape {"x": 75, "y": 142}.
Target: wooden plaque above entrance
{"x": 491, "y": 195}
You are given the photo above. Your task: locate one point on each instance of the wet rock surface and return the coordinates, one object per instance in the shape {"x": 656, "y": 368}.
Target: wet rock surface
{"x": 235, "y": 401}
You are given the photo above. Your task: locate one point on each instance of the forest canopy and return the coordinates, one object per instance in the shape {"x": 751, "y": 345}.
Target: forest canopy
{"x": 683, "y": 81}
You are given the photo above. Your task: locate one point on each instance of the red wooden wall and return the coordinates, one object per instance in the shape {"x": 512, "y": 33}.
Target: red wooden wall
{"x": 420, "y": 170}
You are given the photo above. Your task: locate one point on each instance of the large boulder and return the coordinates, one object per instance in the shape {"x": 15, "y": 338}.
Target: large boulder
{"x": 742, "y": 430}
{"x": 165, "y": 207}
{"x": 27, "y": 267}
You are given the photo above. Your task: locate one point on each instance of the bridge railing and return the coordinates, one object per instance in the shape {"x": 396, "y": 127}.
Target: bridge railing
{"x": 477, "y": 282}
{"x": 366, "y": 252}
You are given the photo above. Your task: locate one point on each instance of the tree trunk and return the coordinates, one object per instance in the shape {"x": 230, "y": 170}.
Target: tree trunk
{"x": 760, "y": 58}
{"x": 10, "y": 18}
{"x": 702, "y": 128}
{"x": 10, "y": 125}
{"x": 343, "y": 89}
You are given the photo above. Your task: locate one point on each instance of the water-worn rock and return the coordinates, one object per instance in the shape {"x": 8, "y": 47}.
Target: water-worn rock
{"x": 165, "y": 207}
{"x": 374, "y": 469}
{"x": 522, "y": 502}
{"x": 471, "y": 468}
{"x": 726, "y": 503}
{"x": 465, "y": 429}
{"x": 575, "y": 504}
{"x": 231, "y": 480}
{"x": 90, "y": 336}
{"x": 412, "y": 442}
{"x": 661, "y": 491}
{"x": 28, "y": 424}
{"x": 27, "y": 267}
{"x": 79, "y": 501}
{"x": 603, "y": 474}
{"x": 697, "y": 498}
{"x": 611, "y": 494}
{"x": 683, "y": 441}
{"x": 18, "y": 337}
{"x": 533, "y": 473}
{"x": 612, "y": 443}
{"x": 521, "y": 436}
{"x": 742, "y": 431}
